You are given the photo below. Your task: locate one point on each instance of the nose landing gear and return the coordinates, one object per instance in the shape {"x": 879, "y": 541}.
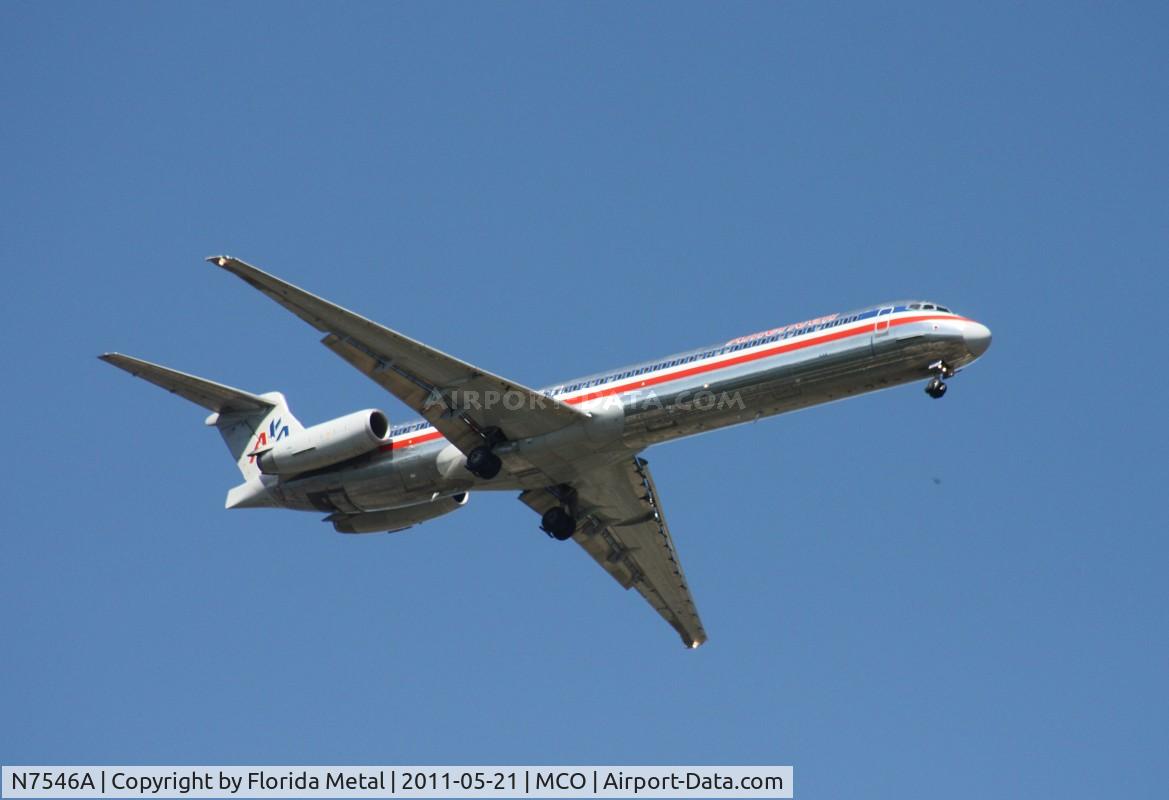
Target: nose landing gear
{"x": 936, "y": 388}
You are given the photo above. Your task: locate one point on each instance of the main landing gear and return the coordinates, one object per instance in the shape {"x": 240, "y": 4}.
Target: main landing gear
{"x": 558, "y": 523}
{"x": 482, "y": 463}
{"x": 936, "y": 388}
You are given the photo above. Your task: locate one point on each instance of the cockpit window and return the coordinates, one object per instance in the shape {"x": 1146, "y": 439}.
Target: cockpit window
{"x": 944, "y": 309}
{"x": 914, "y": 306}
{"x": 928, "y": 307}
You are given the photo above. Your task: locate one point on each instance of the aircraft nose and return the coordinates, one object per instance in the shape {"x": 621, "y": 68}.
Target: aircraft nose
{"x": 977, "y": 338}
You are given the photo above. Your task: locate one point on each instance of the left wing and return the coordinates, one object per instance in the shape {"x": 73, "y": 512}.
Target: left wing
{"x": 464, "y": 403}
{"x": 200, "y": 391}
{"x": 622, "y": 526}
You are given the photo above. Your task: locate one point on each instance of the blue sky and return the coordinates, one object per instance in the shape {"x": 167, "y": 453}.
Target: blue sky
{"x": 903, "y": 596}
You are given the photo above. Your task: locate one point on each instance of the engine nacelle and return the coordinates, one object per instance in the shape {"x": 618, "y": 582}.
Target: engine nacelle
{"x": 396, "y": 519}
{"x": 328, "y": 443}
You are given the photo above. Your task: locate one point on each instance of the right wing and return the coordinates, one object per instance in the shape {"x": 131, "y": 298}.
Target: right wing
{"x": 464, "y": 403}
{"x": 622, "y": 526}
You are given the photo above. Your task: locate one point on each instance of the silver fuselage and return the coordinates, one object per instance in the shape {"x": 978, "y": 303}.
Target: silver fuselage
{"x": 785, "y": 369}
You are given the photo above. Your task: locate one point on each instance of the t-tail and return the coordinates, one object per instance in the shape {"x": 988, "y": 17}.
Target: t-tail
{"x": 250, "y": 424}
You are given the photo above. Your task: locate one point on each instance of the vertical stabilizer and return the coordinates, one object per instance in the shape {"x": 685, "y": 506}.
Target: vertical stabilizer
{"x": 247, "y": 432}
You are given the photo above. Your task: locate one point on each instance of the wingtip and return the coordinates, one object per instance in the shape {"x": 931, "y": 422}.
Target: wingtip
{"x": 219, "y": 261}
{"x": 121, "y": 361}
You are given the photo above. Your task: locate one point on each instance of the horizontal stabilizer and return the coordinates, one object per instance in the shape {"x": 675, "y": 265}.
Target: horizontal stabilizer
{"x": 210, "y": 395}
{"x": 250, "y": 494}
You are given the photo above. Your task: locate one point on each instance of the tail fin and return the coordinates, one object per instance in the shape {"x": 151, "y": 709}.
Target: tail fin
{"x": 248, "y": 431}
{"x": 247, "y": 422}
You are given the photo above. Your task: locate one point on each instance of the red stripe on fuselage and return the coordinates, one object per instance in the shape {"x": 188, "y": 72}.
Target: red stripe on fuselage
{"x": 730, "y": 361}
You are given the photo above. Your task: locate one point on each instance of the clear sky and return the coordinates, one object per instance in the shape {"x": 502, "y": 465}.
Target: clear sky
{"x": 905, "y": 597}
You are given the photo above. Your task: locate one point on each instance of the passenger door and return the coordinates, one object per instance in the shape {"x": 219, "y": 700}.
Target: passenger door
{"x": 881, "y": 327}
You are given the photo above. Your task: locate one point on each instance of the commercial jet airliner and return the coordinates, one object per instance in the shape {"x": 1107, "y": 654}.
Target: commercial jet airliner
{"x": 571, "y": 451}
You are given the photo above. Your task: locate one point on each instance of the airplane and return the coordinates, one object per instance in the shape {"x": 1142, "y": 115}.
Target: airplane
{"x": 573, "y": 450}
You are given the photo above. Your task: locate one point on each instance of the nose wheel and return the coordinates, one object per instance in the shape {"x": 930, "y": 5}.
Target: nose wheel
{"x": 936, "y": 388}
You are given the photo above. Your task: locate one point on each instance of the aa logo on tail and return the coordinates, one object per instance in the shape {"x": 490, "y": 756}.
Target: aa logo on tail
{"x": 276, "y": 431}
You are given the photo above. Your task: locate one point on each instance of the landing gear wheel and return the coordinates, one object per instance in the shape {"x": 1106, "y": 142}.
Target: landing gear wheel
{"x": 935, "y": 388}
{"x": 558, "y": 523}
{"x": 482, "y": 463}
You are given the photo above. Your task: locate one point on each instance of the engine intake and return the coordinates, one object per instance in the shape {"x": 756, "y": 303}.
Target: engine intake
{"x": 326, "y": 444}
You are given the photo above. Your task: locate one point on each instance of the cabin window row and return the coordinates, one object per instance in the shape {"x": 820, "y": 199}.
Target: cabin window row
{"x": 575, "y": 387}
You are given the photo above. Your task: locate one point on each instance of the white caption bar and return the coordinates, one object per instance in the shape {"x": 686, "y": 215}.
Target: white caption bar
{"x": 416, "y": 782}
